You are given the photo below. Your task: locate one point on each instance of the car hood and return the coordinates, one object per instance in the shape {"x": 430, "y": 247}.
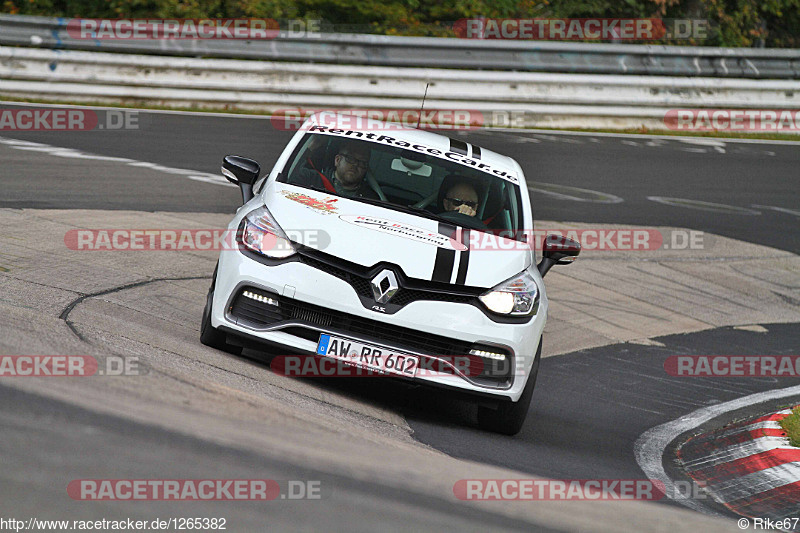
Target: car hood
{"x": 368, "y": 234}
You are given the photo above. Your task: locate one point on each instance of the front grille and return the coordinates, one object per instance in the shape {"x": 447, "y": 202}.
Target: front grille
{"x": 310, "y": 315}
{"x": 359, "y": 278}
{"x": 259, "y": 314}
{"x": 405, "y": 296}
{"x": 359, "y": 283}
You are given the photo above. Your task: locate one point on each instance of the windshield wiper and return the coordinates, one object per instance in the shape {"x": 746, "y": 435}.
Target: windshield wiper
{"x": 426, "y": 213}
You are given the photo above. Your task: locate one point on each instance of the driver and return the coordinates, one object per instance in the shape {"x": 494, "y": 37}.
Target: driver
{"x": 461, "y": 197}
{"x": 346, "y": 177}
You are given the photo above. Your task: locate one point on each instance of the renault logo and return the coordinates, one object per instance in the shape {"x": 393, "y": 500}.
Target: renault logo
{"x": 384, "y": 285}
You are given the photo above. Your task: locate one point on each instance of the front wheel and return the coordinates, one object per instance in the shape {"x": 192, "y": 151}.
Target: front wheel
{"x": 509, "y": 417}
{"x": 209, "y": 335}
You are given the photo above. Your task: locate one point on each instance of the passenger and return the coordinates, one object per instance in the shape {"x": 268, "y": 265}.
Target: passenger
{"x": 461, "y": 197}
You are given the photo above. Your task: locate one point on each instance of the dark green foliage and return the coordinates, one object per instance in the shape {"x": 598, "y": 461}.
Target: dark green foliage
{"x": 774, "y": 23}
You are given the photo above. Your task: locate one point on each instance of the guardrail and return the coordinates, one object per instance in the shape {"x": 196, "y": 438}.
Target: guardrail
{"x": 390, "y": 51}
{"x": 532, "y": 99}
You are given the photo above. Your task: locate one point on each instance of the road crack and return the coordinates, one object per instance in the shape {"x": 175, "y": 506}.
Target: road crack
{"x": 68, "y": 309}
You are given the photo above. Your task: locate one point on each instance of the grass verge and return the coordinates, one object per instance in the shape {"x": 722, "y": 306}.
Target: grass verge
{"x": 712, "y": 134}
{"x": 791, "y": 424}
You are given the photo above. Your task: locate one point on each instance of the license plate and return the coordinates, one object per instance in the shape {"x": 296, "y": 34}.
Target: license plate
{"x": 368, "y": 356}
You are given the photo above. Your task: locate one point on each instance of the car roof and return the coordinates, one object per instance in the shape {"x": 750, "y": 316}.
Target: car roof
{"x": 342, "y": 123}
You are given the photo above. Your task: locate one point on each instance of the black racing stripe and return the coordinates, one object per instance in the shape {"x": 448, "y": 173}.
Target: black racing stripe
{"x": 476, "y": 152}
{"x": 459, "y": 147}
{"x": 445, "y": 258}
{"x": 443, "y": 267}
{"x": 463, "y": 263}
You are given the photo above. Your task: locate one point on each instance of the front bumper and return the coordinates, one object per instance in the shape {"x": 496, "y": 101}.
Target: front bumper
{"x": 315, "y": 302}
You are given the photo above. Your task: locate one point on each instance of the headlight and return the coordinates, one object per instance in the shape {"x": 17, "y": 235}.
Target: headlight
{"x": 518, "y": 296}
{"x": 262, "y": 234}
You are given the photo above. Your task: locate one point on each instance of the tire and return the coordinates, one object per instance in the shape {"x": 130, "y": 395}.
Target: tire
{"x": 209, "y": 335}
{"x": 509, "y": 417}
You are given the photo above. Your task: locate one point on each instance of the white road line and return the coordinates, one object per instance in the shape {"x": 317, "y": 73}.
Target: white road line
{"x": 779, "y": 209}
{"x": 563, "y": 192}
{"x": 703, "y": 206}
{"x": 704, "y": 142}
{"x": 77, "y": 154}
{"x": 650, "y": 446}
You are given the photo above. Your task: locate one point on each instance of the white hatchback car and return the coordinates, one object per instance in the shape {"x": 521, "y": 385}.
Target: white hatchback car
{"x": 392, "y": 249}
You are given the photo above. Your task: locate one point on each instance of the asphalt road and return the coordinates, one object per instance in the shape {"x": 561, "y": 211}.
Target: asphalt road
{"x": 589, "y": 407}
{"x": 572, "y": 431}
{"x": 735, "y": 175}
{"x": 47, "y": 444}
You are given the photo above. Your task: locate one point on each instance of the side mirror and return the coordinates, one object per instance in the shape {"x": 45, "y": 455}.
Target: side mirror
{"x": 558, "y": 250}
{"x": 242, "y": 172}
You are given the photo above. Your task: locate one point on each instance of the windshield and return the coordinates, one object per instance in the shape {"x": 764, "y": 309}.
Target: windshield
{"x": 406, "y": 180}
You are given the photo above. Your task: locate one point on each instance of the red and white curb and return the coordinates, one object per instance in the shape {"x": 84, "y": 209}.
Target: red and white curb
{"x": 748, "y": 467}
